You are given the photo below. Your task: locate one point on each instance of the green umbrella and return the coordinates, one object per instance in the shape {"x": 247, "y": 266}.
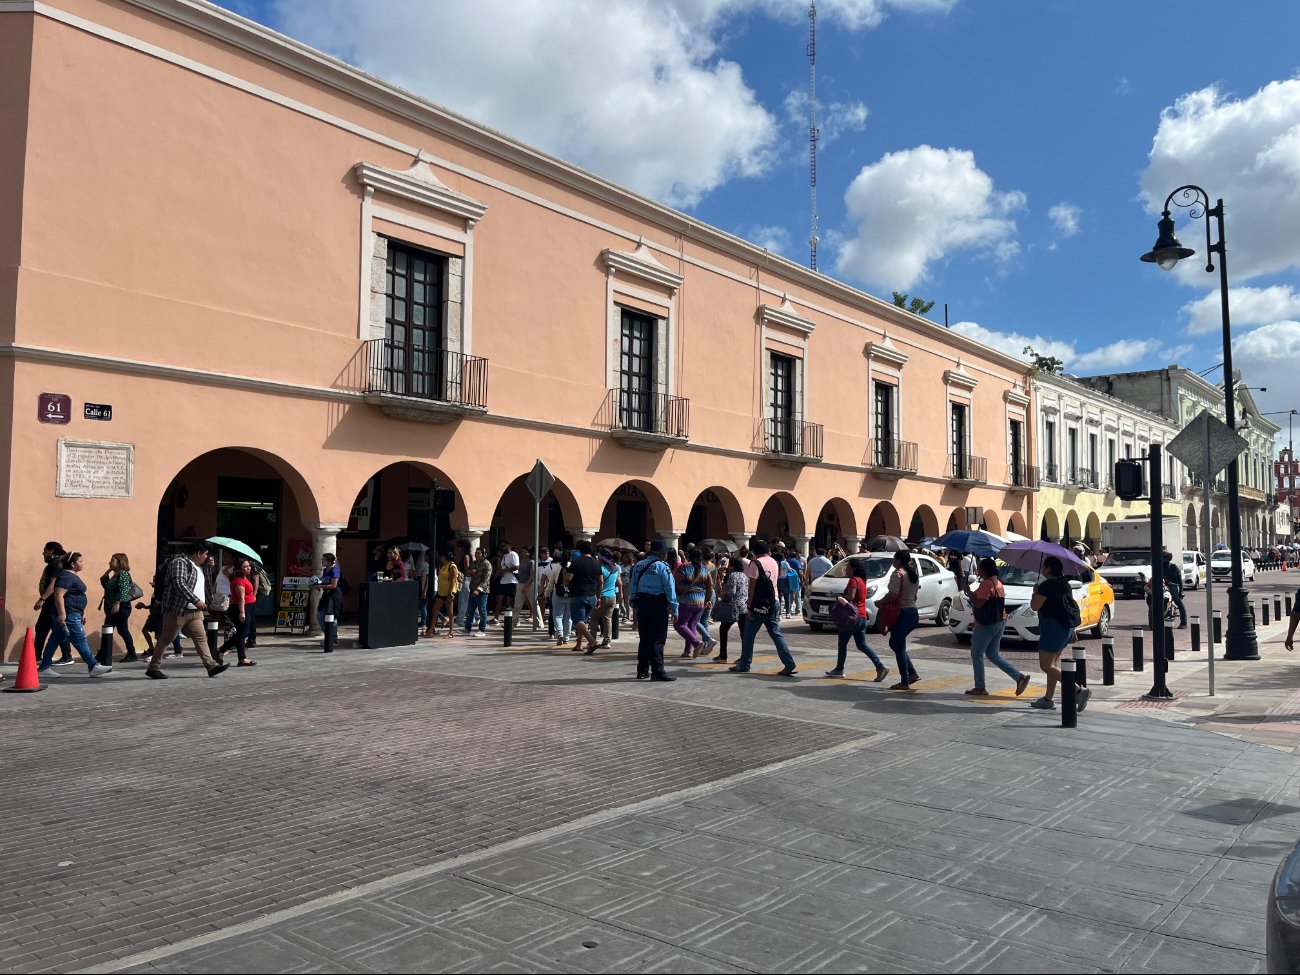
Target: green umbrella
{"x": 236, "y": 546}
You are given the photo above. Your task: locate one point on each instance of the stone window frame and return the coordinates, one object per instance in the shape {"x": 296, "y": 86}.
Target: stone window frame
{"x": 1017, "y": 411}
{"x": 781, "y": 329}
{"x": 421, "y": 186}
{"x": 885, "y": 362}
{"x": 622, "y": 268}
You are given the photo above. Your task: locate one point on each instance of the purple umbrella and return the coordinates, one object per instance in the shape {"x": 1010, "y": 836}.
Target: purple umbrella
{"x": 1030, "y": 555}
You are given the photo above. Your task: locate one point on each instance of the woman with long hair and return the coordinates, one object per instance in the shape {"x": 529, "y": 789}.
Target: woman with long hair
{"x": 694, "y": 587}
{"x": 855, "y": 593}
{"x": 243, "y": 594}
{"x": 989, "y": 605}
{"x": 117, "y": 607}
{"x": 904, "y": 584}
{"x": 69, "y": 619}
{"x": 446, "y": 585}
{"x": 735, "y": 597}
{"x": 1052, "y": 601}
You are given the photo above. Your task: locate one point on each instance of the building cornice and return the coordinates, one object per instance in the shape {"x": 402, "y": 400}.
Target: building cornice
{"x": 960, "y": 377}
{"x": 643, "y": 264}
{"x": 887, "y": 352}
{"x": 785, "y": 316}
{"x": 421, "y": 185}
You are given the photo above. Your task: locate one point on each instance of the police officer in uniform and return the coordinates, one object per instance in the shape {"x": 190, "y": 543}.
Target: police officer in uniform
{"x": 655, "y": 598}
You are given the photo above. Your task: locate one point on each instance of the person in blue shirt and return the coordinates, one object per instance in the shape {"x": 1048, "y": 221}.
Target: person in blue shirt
{"x": 655, "y": 597}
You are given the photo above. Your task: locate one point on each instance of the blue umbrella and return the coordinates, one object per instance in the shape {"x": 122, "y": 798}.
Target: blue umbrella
{"x": 974, "y": 541}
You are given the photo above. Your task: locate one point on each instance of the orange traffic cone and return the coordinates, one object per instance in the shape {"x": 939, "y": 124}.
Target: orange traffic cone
{"x": 27, "y": 679}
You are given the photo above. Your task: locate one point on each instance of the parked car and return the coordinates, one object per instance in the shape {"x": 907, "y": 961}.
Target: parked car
{"x": 1221, "y": 566}
{"x": 1094, "y": 595}
{"x": 934, "y": 601}
{"x": 1194, "y": 569}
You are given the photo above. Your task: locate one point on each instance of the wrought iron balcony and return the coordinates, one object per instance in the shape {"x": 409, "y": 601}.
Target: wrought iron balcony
{"x": 647, "y": 419}
{"x": 414, "y": 383}
{"x": 967, "y": 469}
{"x": 1052, "y": 473}
{"x": 1169, "y": 491}
{"x": 1220, "y": 486}
{"x": 792, "y": 442}
{"x": 893, "y": 458}
{"x": 1084, "y": 477}
{"x": 1022, "y": 478}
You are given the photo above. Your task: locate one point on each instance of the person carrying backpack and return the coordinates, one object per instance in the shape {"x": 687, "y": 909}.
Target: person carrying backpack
{"x": 764, "y": 611}
{"x": 989, "y": 603}
{"x": 1058, "y": 615}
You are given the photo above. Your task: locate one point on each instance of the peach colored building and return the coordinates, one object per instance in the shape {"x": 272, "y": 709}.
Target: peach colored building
{"x": 303, "y": 294}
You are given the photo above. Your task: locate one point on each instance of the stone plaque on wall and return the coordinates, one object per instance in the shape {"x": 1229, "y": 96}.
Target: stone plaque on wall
{"x": 94, "y": 469}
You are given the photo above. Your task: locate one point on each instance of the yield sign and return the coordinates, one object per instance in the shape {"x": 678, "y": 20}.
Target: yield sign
{"x": 1206, "y": 445}
{"x": 539, "y": 480}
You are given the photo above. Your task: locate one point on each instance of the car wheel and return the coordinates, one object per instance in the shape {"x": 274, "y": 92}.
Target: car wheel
{"x": 1103, "y": 624}
{"x": 945, "y": 608}
{"x": 815, "y": 627}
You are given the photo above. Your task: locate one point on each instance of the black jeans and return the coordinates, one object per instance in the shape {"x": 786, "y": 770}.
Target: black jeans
{"x": 119, "y": 622}
{"x": 1176, "y": 595}
{"x": 652, "y": 628}
{"x": 725, "y": 628}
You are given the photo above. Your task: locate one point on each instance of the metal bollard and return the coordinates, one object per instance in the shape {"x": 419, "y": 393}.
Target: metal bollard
{"x": 1196, "y": 634}
{"x": 1277, "y": 607}
{"x": 1108, "y": 661}
{"x": 1069, "y": 696}
{"x": 1169, "y": 639}
{"x": 1139, "y": 638}
{"x": 213, "y": 628}
{"x": 1288, "y": 604}
{"x": 1263, "y": 610}
{"x": 105, "y": 645}
{"x": 613, "y": 624}
{"x": 508, "y": 627}
{"x": 1218, "y": 628}
{"x": 1080, "y": 654}
{"x": 329, "y": 632}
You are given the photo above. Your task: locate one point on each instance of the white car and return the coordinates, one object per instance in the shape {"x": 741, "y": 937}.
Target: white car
{"x": 1194, "y": 569}
{"x": 1221, "y": 566}
{"x": 1093, "y": 593}
{"x": 934, "y": 601}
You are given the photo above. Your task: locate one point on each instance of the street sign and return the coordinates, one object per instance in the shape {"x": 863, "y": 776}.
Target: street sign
{"x": 539, "y": 480}
{"x": 54, "y": 408}
{"x": 97, "y": 411}
{"x": 1206, "y": 445}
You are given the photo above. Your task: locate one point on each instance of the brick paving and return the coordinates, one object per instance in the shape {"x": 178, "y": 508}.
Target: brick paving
{"x": 148, "y": 823}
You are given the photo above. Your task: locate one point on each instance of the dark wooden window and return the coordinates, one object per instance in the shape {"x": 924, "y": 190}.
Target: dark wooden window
{"x": 636, "y": 371}
{"x": 959, "y": 440}
{"x": 883, "y": 420}
{"x": 1017, "y": 452}
{"x": 413, "y": 326}
{"x": 785, "y": 417}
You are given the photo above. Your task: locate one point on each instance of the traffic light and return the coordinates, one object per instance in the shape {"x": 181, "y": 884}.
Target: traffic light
{"x": 1129, "y": 483}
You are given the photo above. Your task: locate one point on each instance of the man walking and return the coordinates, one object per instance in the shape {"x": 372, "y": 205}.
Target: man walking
{"x": 818, "y": 566}
{"x": 524, "y": 590}
{"x": 654, "y": 597}
{"x": 507, "y": 582}
{"x": 583, "y": 580}
{"x": 183, "y": 594}
{"x": 480, "y": 580}
{"x": 1173, "y": 576}
{"x": 764, "y": 610}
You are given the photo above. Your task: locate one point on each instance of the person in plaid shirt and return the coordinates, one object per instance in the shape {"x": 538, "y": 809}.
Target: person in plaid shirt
{"x": 183, "y": 593}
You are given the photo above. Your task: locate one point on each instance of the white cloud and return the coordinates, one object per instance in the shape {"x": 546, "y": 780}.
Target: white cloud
{"x": 635, "y": 90}
{"x": 1267, "y": 356}
{"x": 1120, "y": 355}
{"x": 1246, "y": 151}
{"x": 1065, "y": 218}
{"x": 1123, "y": 354}
{"x": 774, "y": 238}
{"x": 1013, "y": 343}
{"x": 1247, "y": 307}
{"x": 833, "y": 118}
{"x": 917, "y": 206}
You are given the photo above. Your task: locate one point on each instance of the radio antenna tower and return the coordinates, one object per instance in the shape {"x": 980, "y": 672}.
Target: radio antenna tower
{"x": 813, "y": 238}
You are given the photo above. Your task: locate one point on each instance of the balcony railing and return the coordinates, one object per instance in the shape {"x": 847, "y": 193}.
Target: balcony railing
{"x": 648, "y": 419}
{"x": 1169, "y": 491}
{"x": 417, "y": 382}
{"x": 1022, "y": 478}
{"x": 1220, "y": 486}
{"x": 894, "y": 457}
{"x": 791, "y": 437}
{"x": 1084, "y": 477}
{"x": 968, "y": 467}
{"x": 1052, "y": 473}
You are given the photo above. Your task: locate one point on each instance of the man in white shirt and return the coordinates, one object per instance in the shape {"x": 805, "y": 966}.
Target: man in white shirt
{"x": 507, "y": 581}
{"x": 818, "y": 566}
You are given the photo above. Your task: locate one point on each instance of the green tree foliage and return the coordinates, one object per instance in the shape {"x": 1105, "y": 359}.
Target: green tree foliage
{"x": 917, "y": 306}
{"x": 1043, "y": 363}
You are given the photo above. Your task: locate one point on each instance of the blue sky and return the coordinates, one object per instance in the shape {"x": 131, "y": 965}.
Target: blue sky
{"x": 1007, "y": 157}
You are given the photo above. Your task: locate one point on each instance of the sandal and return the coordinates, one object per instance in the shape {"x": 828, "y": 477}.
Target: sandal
{"x": 247, "y": 663}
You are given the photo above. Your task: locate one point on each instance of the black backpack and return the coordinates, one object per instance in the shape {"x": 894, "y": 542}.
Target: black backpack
{"x": 1072, "y": 615}
{"x": 764, "y": 592}
{"x": 561, "y": 589}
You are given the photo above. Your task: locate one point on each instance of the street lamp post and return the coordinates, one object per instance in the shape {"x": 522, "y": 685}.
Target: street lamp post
{"x": 1240, "y": 642}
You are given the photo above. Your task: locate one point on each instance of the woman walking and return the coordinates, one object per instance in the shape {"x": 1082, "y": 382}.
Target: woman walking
{"x": 117, "y": 607}
{"x": 561, "y": 601}
{"x": 693, "y": 598}
{"x": 1053, "y": 603}
{"x": 243, "y": 594}
{"x": 904, "y": 583}
{"x": 732, "y": 603}
{"x": 989, "y": 602}
{"x": 53, "y": 556}
{"x": 610, "y": 582}
{"x": 855, "y": 594}
{"x": 69, "y": 615}
{"x": 446, "y": 586}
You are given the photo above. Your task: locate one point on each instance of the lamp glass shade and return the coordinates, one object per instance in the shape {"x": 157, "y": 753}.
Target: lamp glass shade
{"x": 1167, "y": 251}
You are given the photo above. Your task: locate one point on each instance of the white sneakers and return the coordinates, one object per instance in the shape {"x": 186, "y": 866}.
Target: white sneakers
{"x": 99, "y": 670}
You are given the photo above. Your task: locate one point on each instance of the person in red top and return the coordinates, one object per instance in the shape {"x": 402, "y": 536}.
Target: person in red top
{"x": 396, "y": 568}
{"x": 243, "y": 594}
{"x": 855, "y": 593}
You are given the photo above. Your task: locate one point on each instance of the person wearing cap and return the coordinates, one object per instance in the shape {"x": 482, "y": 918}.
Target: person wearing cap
{"x": 1173, "y": 576}
{"x": 654, "y": 596}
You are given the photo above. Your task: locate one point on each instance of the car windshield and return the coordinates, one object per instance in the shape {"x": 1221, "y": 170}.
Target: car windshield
{"x": 1012, "y": 575}
{"x": 1131, "y": 556}
{"x": 1221, "y": 557}
{"x": 877, "y": 567}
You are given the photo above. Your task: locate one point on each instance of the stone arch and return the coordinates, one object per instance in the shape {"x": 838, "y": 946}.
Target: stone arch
{"x": 1017, "y": 524}
{"x": 781, "y": 517}
{"x": 715, "y": 513}
{"x": 1051, "y": 526}
{"x": 884, "y": 520}
{"x": 992, "y": 521}
{"x": 956, "y": 520}
{"x": 513, "y": 516}
{"x": 639, "y": 508}
{"x": 1073, "y": 528}
{"x": 923, "y": 524}
{"x": 837, "y": 514}
{"x": 1193, "y": 528}
{"x": 1092, "y": 531}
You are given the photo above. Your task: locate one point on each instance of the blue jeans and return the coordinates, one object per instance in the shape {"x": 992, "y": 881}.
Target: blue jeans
{"x": 75, "y": 634}
{"x": 859, "y": 636}
{"x": 562, "y": 613}
{"x": 703, "y": 626}
{"x": 1053, "y": 637}
{"x": 753, "y": 624}
{"x": 478, "y": 606}
{"x": 986, "y": 641}
{"x": 908, "y": 620}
